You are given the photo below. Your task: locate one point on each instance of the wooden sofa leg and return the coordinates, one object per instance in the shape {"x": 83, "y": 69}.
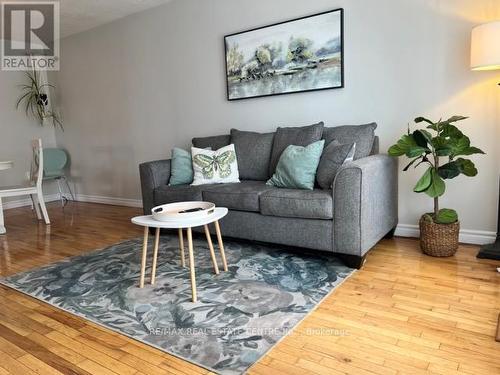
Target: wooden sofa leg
{"x": 390, "y": 235}
{"x": 352, "y": 261}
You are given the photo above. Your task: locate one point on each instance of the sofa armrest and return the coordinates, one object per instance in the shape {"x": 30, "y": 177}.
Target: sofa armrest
{"x": 365, "y": 203}
{"x": 153, "y": 174}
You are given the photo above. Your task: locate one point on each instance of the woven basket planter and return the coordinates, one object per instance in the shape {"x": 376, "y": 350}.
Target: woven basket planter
{"x": 439, "y": 240}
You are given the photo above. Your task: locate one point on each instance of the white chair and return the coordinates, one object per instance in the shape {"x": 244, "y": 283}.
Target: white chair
{"x": 34, "y": 189}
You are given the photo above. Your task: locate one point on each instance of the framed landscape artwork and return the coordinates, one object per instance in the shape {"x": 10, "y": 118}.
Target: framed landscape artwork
{"x": 303, "y": 54}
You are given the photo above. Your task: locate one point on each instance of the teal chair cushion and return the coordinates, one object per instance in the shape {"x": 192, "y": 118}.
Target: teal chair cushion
{"x": 52, "y": 175}
{"x": 54, "y": 162}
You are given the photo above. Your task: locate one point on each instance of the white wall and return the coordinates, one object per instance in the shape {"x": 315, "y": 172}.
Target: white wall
{"x": 16, "y": 133}
{"x": 133, "y": 89}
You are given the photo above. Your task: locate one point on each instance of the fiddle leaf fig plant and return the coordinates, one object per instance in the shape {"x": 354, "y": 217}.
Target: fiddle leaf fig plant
{"x": 441, "y": 139}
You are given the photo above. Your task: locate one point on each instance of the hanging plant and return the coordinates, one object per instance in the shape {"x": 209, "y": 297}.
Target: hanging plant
{"x": 35, "y": 100}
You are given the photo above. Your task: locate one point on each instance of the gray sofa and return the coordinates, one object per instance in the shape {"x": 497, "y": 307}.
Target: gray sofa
{"x": 348, "y": 219}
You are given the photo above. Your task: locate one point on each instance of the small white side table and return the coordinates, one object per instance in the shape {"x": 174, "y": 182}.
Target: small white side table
{"x": 3, "y": 166}
{"x": 148, "y": 222}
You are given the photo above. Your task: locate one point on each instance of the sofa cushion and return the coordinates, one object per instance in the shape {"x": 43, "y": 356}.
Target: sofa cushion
{"x": 297, "y": 167}
{"x": 299, "y": 136}
{"x": 253, "y": 151}
{"x": 362, "y": 135}
{"x": 376, "y": 146}
{"x": 215, "y": 142}
{"x": 307, "y": 204}
{"x": 334, "y": 156}
{"x": 243, "y": 196}
{"x": 181, "y": 167}
{"x": 215, "y": 167}
{"x": 179, "y": 193}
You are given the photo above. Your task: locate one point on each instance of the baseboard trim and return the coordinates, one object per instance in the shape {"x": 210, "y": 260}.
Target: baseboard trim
{"x": 7, "y": 205}
{"x": 109, "y": 200}
{"x": 476, "y": 237}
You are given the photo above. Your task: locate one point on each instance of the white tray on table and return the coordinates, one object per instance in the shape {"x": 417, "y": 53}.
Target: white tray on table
{"x": 174, "y": 211}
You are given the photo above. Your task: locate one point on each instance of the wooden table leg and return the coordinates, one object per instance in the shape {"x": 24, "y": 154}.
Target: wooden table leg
{"x": 221, "y": 245}
{"x": 155, "y": 255}
{"x": 144, "y": 254}
{"x": 181, "y": 245}
{"x": 191, "y": 264}
{"x": 211, "y": 247}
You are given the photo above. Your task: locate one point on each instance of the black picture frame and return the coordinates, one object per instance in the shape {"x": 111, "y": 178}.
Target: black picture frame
{"x": 342, "y": 81}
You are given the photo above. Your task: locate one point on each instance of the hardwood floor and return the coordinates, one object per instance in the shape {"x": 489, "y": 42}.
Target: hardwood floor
{"x": 403, "y": 313}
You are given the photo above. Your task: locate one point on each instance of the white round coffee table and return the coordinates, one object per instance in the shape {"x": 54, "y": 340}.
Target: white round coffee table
{"x": 148, "y": 222}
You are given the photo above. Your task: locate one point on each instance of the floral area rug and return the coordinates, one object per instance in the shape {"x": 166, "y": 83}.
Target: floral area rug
{"x": 239, "y": 316}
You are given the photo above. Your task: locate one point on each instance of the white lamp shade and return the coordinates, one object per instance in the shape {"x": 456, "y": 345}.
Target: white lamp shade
{"x": 485, "y": 47}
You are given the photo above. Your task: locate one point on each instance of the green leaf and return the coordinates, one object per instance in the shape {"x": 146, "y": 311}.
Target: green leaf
{"x": 471, "y": 151}
{"x": 444, "y": 151}
{"x": 433, "y": 126}
{"x": 427, "y": 135}
{"x": 446, "y": 216}
{"x": 395, "y": 150}
{"x": 441, "y": 146}
{"x": 411, "y": 163}
{"x": 424, "y": 160}
{"x": 466, "y": 167}
{"x": 458, "y": 145}
{"x": 420, "y": 138}
{"x": 406, "y": 146}
{"x": 29, "y": 103}
{"x": 449, "y": 170}
{"x": 451, "y": 131}
{"x": 437, "y": 186}
{"x": 455, "y": 119}
{"x": 416, "y": 151}
{"x": 21, "y": 98}
{"x": 424, "y": 182}
{"x": 423, "y": 119}
{"x": 428, "y": 218}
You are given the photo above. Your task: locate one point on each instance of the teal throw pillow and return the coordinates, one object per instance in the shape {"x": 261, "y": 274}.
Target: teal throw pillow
{"x": 181, "y": 167}
{"x": 297, "y": 166}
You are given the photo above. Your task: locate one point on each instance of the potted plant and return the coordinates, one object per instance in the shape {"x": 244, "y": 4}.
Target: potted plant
{"x": 35, "y": 100}
{"x": 442, "y": 139}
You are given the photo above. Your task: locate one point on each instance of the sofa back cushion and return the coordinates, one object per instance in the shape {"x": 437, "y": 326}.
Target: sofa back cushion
{"x": 181, "y": 167}
{"x": 214, "y": 142}
{"x": 253, "y": 151}
{"x": 215, "y": 167}
{"x": 362, "y": 135}
{"x": 298, "y": 136}
{"x": 297, "y": 167}
{"x": 333, "y": 157}
{"x": 376, "y": 146}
